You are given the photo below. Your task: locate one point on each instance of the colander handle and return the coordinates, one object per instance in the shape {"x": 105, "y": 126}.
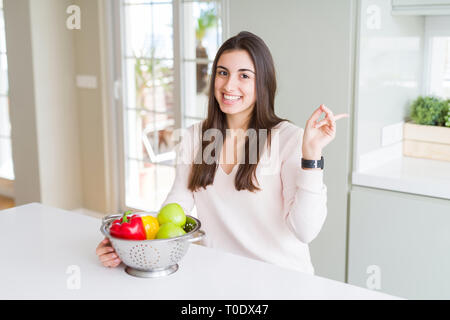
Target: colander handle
{"x": 199, "y": 235}
{"x": 105, "y": 222}
{"x": 113, "y": 217}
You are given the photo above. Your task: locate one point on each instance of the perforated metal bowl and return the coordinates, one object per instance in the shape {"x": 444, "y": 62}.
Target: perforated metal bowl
{"x": 151, "y": 258}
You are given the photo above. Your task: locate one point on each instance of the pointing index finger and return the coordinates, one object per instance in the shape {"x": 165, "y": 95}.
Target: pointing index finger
{"x": 340, "y": 116}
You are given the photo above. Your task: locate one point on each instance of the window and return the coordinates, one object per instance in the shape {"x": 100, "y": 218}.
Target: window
{"x": 201, "y": 40}
{"x": 437, "y": 56}
{"x": 6, "y": 163}
{"x": 166, "y": 64}
{"x": 440, "y": 67}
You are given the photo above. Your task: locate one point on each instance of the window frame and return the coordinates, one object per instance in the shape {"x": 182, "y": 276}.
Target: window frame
{"x": 118, "y": 74}
{"x": 434, "y": 26}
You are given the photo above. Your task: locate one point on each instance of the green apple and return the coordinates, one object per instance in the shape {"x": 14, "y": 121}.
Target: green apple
{"x": 172, "y": 212}
{"x": 169, "y": 230}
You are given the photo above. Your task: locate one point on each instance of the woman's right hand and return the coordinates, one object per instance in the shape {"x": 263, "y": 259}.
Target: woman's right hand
{"x": 107, "y": 255}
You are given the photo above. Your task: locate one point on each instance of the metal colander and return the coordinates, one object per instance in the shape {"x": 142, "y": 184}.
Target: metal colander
{"x": 151, "y": 258}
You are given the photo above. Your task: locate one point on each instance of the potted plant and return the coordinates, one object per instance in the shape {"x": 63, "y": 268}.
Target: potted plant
{"x": 447, "y": 117}
{"x": 207, "y": 20}
{"x": 426, "y": 134}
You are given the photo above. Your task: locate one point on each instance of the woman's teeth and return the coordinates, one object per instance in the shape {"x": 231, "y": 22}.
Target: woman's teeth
{"x": 231, "y": 97}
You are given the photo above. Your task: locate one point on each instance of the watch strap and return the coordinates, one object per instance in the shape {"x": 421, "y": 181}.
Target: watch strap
{"x": 313, "y": 163}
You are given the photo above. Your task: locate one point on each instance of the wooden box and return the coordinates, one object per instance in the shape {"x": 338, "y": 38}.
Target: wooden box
{"x": 429, "y": 142}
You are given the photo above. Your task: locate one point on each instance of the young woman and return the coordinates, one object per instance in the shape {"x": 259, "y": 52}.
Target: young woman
{"x": 267, "y": 210}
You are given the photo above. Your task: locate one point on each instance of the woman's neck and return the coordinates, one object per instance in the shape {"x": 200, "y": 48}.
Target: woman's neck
{"x": 239, "y": 120}
{"x": 236, "y": 124}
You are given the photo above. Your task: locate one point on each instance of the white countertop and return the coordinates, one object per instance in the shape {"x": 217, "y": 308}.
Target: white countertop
{"x": 40, "y": 243}
{"x": 406, "y": 174}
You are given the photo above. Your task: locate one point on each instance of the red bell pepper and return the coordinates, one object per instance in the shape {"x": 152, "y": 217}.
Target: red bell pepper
{"x": 128, "y": 227}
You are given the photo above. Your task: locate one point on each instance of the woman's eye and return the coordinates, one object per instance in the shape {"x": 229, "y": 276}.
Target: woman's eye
{"x": 224, "y": 73}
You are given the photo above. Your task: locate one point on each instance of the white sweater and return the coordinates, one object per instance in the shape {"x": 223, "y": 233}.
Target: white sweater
{"x": 273, "y": 225}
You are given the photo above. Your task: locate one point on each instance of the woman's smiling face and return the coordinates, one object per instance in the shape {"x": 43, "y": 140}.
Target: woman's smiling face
{"x": 234, "y": 86}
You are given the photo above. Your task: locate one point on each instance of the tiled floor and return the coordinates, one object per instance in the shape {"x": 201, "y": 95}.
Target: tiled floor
{"x": 6, "y": 203}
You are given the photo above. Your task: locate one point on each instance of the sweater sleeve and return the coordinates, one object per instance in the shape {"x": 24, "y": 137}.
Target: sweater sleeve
{"x": 304, "y": 193}
{"x": 179, "y": 192}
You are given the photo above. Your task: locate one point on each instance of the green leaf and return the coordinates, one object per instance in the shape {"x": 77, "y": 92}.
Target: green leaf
{"x": 207, "y": 20}
{"x": 429, "y": 110}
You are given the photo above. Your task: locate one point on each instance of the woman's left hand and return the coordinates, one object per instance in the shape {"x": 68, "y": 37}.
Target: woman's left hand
{"x": 318, "y": 134}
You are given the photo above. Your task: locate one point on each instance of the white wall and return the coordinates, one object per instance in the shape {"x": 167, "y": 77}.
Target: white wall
{"x": 44, "y": 115}
{"x": 22, "y": 102}
{"x": 59, "y": 132}
{"x": 92, "y": 110}
{"x": 312, "y": 45}
{"x": 56, "y": 104}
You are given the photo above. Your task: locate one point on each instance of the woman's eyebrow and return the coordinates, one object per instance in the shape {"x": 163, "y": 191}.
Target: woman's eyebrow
{"x": 238, "y": 70}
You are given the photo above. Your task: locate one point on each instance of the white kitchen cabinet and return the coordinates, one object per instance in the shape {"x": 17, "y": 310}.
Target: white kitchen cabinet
{"x": 402, "y": 239}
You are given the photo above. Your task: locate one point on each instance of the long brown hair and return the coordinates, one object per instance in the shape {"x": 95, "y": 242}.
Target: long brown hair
{"x": 263, "y": 116}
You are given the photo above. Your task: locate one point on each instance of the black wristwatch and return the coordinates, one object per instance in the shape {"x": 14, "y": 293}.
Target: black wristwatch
{"x": 312, "y": 163}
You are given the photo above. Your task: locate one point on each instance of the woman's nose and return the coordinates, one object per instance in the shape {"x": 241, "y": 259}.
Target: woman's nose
{"x": 231, "y": 84}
